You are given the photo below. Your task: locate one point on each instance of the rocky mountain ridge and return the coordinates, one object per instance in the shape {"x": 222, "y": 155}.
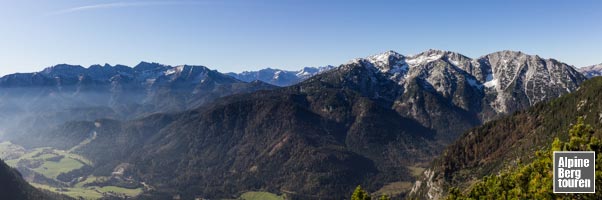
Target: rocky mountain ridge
{"x": 65, "y": 93}
{"x": 479, "y": 89}
{"x": 591, "y": 71}
{"x": 280, "y": 77}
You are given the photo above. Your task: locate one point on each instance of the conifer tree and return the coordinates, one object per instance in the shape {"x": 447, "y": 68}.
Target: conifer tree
{"x": 360, "y": 194}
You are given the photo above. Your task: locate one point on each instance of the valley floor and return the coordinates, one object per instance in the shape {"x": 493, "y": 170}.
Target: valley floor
{"x": 41, "y": 167}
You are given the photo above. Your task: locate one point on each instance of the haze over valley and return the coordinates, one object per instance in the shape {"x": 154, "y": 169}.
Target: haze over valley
{"x": 299, "y": 100}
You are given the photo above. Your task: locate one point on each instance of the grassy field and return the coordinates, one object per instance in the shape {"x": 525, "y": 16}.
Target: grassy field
{"x": 85, "y": 193}
{"x": 52, "y": 169}
{"x": 75, "y": 157}
{"x": 89, "y": 179}
{"x": 79, "y": 191}
{"x": 25, "y": 156}
{"x": 260, "y": 196}
{"x": 128, "y": 192}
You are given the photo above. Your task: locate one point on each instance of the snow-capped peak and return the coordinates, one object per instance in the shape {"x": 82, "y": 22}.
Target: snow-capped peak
{"x": 425, "y": 57}
{"x": 280, "y": 77}
{"x": 385, "y": 57}
{"x": 387, "y": 61}
{"x": 310, "y": 71}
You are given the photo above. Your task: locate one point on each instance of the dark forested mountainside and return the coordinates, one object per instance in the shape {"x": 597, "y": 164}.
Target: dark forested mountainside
{"x": 13, "y": 187}
{"x": 283, "y": 142}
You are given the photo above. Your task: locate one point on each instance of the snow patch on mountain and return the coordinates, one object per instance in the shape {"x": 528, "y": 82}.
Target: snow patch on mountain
{"x": 490, "y": 81}
{"x": 418, "y": 60}
{"x": 511, "y": 78}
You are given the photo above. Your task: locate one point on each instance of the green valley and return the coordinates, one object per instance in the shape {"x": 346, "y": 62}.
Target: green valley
{"x": 43, "y": 168}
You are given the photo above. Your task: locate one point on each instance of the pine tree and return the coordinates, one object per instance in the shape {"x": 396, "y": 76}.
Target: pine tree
{"x": 360, "y": 194}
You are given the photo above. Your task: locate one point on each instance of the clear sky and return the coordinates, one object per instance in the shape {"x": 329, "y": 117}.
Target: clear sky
{"x": 248, "y": 34}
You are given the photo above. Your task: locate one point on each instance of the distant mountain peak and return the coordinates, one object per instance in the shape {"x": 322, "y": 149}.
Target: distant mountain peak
{"x": 591, "y": 71}
{"x": 436, "y": 51}
{"x": 280, "y": 77}
{"x": 63, "y": 67}
{"x": 435, "y": 54}
{"x": 64, "y": 70}
{"x": 146, "y": 66}
{"x": 386, "y": 54}
{"x": 513, "y": 52}
{"x": 508, "y": 55}
{"x": 387, "y": 60}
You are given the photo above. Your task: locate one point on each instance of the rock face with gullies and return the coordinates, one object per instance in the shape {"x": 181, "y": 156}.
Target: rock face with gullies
{"x": 519, "y": 79}
{"x": 451, "y": 92}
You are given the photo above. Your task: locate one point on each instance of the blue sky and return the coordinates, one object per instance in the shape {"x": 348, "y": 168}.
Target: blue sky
{"x": 248, "y": 35}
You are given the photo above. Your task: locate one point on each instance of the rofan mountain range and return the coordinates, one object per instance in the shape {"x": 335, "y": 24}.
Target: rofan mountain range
{"x": 193, "y": 131}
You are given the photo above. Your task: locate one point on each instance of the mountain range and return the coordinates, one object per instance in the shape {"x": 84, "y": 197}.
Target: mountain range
{"x": 280, "y": 77}
{"x": 190, "y": 131}
{"x": 145, "y": 85}
{"x": 365, "y": 122}
{"x": 31, "y": 103}
{"x": 591, "y": 71}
